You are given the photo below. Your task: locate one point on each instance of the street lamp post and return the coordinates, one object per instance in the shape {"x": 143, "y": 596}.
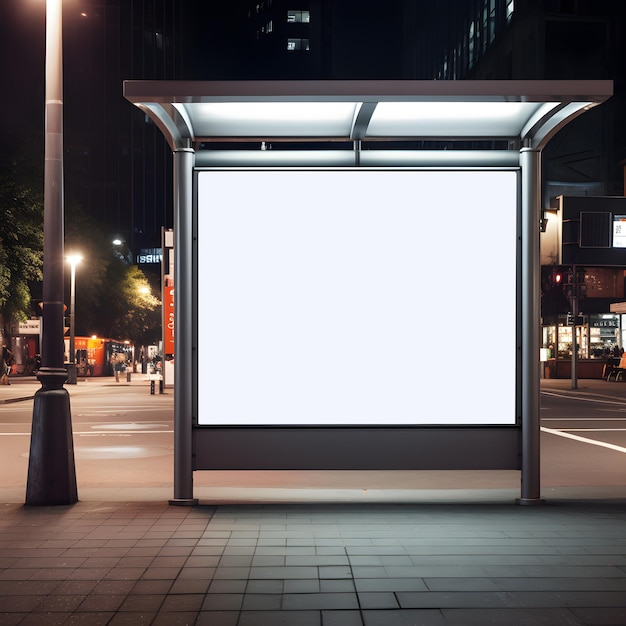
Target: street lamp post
{"x": 51, "y": 469}
{"x": 73, "y": 260}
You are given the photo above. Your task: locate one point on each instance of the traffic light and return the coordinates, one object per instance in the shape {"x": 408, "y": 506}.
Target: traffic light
{"x": 557, "y": 277}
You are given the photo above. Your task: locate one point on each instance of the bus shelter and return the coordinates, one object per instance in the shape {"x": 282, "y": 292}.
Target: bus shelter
{"x": 342, "y": 251}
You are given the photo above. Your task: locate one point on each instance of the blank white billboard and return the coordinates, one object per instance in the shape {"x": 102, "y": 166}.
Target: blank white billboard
{"x": 358, "y": 297}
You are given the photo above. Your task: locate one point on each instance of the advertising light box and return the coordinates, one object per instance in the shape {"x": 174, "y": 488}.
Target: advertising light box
{"x": 619, "y": 231}
{"x": 356, "y": 297}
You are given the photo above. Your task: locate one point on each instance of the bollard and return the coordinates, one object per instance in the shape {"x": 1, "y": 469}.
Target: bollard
{"x": 161, "y": 386}
{"x": 128, "y": 376}
{"x": 152, "y": 387}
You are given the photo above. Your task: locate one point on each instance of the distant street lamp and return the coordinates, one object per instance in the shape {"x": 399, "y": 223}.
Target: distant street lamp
{"x": 121, "y": 250}
{"x": 73, "y": 260}
{"x": 51, "y": 469}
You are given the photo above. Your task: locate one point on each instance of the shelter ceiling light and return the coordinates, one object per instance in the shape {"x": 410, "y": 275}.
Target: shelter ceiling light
{"x": 451, "y": 118}
{"x": 273, "y": 118}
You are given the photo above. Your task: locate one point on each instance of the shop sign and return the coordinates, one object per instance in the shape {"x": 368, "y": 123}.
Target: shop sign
{"x": 168, "y": 315}
{"x": 603, "y": 323}
{"x": 30, "y": 327}
{"x": 149, "y": 256}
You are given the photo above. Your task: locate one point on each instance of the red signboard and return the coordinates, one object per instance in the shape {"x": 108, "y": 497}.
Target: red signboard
{"x": 168, "y": 315}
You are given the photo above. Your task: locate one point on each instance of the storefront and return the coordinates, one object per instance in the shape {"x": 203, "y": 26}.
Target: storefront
{"x": 25, "y": 346}
{"x": 598, "y": 339}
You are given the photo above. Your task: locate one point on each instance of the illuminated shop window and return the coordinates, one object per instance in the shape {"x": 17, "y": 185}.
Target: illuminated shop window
{"x": 297, "y": 44}
{"x": 298, "y": 17}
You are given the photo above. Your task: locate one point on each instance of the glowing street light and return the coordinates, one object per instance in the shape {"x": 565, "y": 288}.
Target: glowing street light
{"x": 51, "y": 469}
{"x": 73, "y": 260}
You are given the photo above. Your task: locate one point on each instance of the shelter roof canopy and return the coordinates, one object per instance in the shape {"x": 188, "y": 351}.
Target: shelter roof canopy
{"x": 527, "y": 112}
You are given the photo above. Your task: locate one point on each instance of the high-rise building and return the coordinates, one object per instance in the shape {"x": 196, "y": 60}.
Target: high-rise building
{"x": 322, "y": 39}
{"x": 538, "y": 40}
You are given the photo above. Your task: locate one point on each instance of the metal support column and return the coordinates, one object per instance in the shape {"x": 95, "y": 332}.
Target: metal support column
{"x": 357, "y": 152}
{"x": 183, "y": 326}
{"x": 530, "y": 162}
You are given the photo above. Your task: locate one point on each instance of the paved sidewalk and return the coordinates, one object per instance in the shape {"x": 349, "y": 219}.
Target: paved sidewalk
{"x": 585, "y": 386}
{"x": 23, "y": 388}
{"x": 314, "y": 565}
{"x": 482, "y": 560}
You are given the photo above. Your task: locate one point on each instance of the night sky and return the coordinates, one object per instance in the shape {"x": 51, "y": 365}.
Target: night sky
{"x": 22, "y": 56}
{"x": 22, "y": 70}
{"x": 217, "y": 50}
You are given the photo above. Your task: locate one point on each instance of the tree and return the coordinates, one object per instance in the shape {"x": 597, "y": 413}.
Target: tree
{"x": 134, "y": 313}
{"x": 21, "y": 243}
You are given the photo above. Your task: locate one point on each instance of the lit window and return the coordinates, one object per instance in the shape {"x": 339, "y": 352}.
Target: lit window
{"x": 298, "y": 17}
{"x": 297, "y": 44}
{"x": 492, "y": 20}
{"x": 510, "y": 8}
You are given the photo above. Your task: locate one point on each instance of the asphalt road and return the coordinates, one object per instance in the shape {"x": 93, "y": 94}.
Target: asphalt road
{"x": 583, "y": 439}
{"x": 124, "y": 442}
{"x": 123, "y": 437}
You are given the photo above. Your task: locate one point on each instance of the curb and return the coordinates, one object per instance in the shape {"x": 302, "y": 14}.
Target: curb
{"x": 12, "y": 400}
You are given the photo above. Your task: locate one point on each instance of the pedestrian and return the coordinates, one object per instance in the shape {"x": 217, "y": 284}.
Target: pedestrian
{"x": 7, "y": 363}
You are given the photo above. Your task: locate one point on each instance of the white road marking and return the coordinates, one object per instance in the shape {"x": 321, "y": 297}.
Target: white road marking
{"x": 581, "y": 398}
{"x": 584, "y": 419}
{"x": 593, "y": 442}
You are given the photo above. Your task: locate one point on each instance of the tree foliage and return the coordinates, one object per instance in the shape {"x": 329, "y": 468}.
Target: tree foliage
{"x": 21, "y": 243}
{"x": 134, "y": 312}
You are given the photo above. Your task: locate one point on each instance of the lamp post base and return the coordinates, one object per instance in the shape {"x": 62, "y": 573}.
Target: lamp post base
{"x": 530, "y": 501}
{"x": 51, "y": 469}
